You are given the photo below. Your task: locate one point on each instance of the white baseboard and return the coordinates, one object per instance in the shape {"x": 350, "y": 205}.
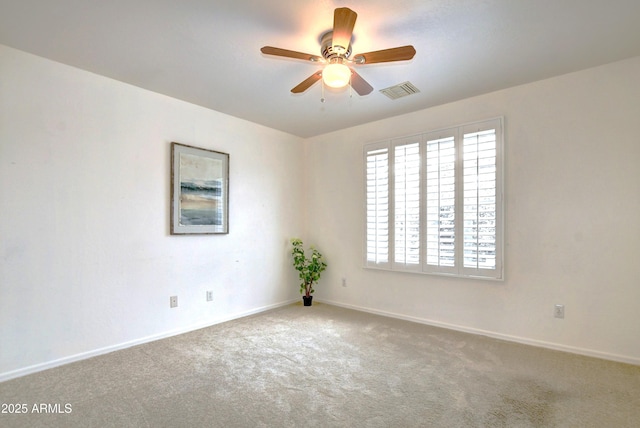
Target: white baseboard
{"x": 82, "y": 356}
{"x": 495, "y": 335}
{"x": 94, "y": 353}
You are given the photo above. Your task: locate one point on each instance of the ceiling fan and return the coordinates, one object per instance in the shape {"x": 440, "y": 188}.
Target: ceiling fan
{"x": 335, "y": 48}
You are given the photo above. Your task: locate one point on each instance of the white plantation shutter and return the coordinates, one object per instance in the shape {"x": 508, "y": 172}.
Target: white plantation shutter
{"x": 406, "y": 204}
{"x": 440, "y": 201}
{"x": 434, "y": 202}
{"x": 481, "y": 198}
{"x": 378, "y": 209}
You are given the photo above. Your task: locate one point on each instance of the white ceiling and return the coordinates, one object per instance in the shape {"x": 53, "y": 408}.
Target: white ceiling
{"x": 207, "y": 52}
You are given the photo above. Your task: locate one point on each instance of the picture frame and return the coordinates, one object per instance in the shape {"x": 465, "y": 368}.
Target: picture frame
{"x": 199, "y": 191}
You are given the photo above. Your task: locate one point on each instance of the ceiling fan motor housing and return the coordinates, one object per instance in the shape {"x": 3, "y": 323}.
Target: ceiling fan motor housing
{"x": 327, "y": 50}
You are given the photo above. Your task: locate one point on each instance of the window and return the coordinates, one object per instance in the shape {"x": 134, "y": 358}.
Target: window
{"x": 434, "y": 202}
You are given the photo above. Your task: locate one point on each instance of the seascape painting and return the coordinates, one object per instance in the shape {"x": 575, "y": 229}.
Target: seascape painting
{"x": 199, "y": 184}
{"x": 200, "y": 197}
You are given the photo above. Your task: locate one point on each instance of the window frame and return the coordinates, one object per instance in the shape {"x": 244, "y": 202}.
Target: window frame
{"x": 459, "y": 270}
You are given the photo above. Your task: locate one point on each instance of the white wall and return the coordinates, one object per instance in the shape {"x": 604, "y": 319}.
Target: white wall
{"x": 572, "y": 208}
{"x": 86, "y": 260}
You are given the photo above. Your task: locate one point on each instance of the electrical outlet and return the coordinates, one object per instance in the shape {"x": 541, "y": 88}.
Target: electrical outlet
{"x": 173, "y": 301}
{"x": 344, "y": 282}
{"x": 558, "y": 311}
{"x": 209, "y": 296}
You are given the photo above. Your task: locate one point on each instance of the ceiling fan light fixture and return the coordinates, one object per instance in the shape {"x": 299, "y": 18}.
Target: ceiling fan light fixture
{"x": 336, "y": 75}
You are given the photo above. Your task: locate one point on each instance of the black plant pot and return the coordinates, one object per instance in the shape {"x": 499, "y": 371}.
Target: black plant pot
{"x": 307, "y": 300}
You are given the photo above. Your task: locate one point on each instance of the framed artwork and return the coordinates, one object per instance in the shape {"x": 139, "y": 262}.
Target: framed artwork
{"x": 199, "y": 190}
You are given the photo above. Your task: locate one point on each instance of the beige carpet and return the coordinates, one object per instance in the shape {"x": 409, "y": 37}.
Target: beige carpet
{"x": 324, "y": 366}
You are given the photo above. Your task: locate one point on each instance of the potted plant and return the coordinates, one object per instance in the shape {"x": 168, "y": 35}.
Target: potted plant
{"x": 309, "y": 268}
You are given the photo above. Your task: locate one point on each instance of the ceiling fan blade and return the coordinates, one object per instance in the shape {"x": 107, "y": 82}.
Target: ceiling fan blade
{"x": 270, "y": 50}
{"x": 359, "y": 84}
{"x": 344, "y": 19}
{"x": 306, "y": 84}
{"x": 386, "y": 55}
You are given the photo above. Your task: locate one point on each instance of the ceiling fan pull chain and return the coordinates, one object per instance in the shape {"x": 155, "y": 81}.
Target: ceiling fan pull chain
{"x": 322, "y": 96}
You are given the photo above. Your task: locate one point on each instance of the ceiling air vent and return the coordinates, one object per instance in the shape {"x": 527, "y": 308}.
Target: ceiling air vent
{"x": 400, "y": 90}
